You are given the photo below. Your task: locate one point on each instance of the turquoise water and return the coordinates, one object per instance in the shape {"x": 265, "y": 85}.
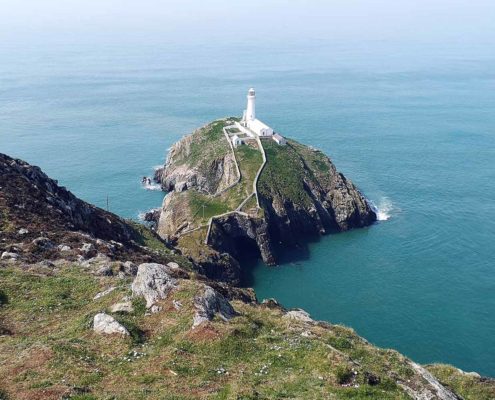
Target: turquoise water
{"x": 413, "y": 126}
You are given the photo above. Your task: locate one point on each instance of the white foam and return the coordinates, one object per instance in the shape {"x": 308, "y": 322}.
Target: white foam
{"x": 152, "y": 186}
{"x": 384, "y": 209}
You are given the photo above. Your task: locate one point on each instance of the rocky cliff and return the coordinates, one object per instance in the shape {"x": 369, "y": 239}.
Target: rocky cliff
{"x": 300, "y": 191}
{"x": 201, "y": 161}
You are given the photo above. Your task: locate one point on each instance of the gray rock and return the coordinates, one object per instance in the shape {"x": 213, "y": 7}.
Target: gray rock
{"x": 124, "y": 307}
{"x": 209, "y": 303}
{"x": 129, "y": 268}
{"x": 22, "y": 231}
{"x": 63, "y": 247}
{"x": 104, "y": 270}
{"x": 173, "y": 265}
{"x": 6, "y": 255}
{"x": 154, "y": 309}
{"x": 43, "y": 243}
{"x": 47, "y": 263}
{"x": 106, "y": 324}
{"x": 298, "y": 315}
{"x": 153, "y": 282}
{"x": 177, "y": 304}
{"x": 88, "y": 250}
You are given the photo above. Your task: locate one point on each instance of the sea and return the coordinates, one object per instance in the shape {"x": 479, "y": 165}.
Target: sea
{"x": 411, "y": 124}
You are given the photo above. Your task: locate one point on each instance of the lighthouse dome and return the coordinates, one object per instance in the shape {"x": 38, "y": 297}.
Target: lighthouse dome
{"x": 251, "y": 92}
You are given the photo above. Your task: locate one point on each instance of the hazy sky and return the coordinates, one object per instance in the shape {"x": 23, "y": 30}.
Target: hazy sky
{"x": 247, "y": 20}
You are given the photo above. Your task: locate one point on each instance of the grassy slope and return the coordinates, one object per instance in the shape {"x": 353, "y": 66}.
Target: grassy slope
{"x": 469, "y": 386}
{"x": 249, "y": 159}
{"x": 283, "y": 174}
{"x": 256, "y": 355}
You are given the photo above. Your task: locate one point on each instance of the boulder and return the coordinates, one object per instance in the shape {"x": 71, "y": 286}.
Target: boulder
{"x": 63, "y": 247}
{"x": 6, "y": 255}
{"x": 22, "y": 231}
{"x": 88, "y": 250}
{"x": 209, "y": 303}
{"x": 153, "y": 282}
{"x": 106, "y": 324}
{"x": 43, "y": 243}
{"x": 129, "y": 268}
{"x": 123, "y": 307}
{"x": 298, "y": 315}
{"x": 173, "y": 265}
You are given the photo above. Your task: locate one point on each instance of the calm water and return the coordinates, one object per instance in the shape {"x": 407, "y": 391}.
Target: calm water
{"x": 412, "y": 126}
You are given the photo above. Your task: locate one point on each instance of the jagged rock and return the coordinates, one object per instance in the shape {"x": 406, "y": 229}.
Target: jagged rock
{"x": 271, "y": 303}
{"x": 211, "y": 303}
{"x": 153, "y": 282}
{"x": 218, "y": 172}
{"x": 298, "y": 315}
{"x": 63, "y": 247}
{"x": 104, "y": 270}
{"x": 106, "y": 324}
{"x": 9, "y": 256}
{"x": 124, "y": 307}
{"x": 129, "y": 268}
{"x": 22, "y": 231}
{"x": 43, "y": 243}
{"x": 88, "y": 250}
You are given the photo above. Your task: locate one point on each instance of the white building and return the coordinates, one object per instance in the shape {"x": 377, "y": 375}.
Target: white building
{"x": 249, "y": 117}
{"x": 236, "y": 140}
{"x": 279, "y": 139}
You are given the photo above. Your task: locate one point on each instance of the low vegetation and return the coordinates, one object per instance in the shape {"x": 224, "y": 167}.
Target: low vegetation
{"x": 257, "y": 355}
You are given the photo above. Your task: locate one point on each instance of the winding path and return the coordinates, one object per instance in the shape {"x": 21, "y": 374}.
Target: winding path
{"x": 254, "y": 193}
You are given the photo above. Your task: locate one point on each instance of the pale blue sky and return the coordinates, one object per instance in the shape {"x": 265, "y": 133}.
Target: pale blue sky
{"x": 241, "y": 21}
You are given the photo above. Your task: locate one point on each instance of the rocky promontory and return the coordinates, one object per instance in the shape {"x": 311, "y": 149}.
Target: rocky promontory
{"x": 295, "y": 195}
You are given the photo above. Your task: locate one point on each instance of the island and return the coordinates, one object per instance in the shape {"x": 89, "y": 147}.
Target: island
{"x": 235, "y": 186}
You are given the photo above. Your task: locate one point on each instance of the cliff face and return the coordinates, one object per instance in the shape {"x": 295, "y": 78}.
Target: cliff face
{"x": 301, "y": 195}
{"x": 201, "y": 161}
{"x": 40, "y": 220}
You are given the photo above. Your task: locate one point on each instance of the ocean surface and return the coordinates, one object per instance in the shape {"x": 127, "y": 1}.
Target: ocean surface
{"x": 413, "y": 125}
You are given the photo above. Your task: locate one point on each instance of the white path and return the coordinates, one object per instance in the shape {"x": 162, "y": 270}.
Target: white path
{"x": 255, "y": 186}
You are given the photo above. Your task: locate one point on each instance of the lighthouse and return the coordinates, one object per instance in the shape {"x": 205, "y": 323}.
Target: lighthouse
{"x": 251, "y": 108}
{"x": 249, "y": 124}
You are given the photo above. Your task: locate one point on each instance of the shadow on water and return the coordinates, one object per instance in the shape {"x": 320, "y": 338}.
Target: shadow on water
{"x": 249, "y": 257}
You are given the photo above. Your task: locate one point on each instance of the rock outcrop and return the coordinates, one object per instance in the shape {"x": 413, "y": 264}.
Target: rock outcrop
{"x": 106, "y": 324}
{"x": 199, "y": 162}
{"x": 40, "y": 220}
{"x": 211, "y": 303}
{"x": 153, "y": 282}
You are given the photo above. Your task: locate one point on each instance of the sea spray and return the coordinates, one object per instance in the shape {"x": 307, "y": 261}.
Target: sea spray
{"x": 383, "y": 209}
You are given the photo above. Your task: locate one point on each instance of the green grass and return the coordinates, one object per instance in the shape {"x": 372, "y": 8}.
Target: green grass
{"x": 207, "y": 145}
{"x": 469, "y": 386}
{"x": 204, "y": 207}
{"x": 256, "y": 355}
{"x": 283, "y": 174}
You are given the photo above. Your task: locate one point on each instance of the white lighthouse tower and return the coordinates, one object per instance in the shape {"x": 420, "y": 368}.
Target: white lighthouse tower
{"x": 254, "y": 126}
{"x": 251, "y": 107}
